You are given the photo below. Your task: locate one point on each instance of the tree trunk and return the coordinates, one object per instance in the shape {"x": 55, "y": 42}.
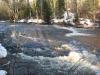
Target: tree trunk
{"x": 94, "y": 11}
{"x": 75, "y": 9}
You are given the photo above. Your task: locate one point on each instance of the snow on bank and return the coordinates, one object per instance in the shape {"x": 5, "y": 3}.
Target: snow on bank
{"x": 35, "y": 21}
{"x": 87, "y": 23}
{"x": 31, "y": 20}
{"x": 3, "y": 72}
{"x": 57, "y": 20}
{"x": 3, "y": 52}
{"x": 21, "y": 21}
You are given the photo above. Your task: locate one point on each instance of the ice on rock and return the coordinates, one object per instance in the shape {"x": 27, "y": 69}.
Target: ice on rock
{"x": 3, "y": 72}
{"x": 3, "y": 52}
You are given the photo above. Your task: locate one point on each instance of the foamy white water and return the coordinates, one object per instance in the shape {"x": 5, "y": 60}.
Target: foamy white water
{"x": 76, "y": 33}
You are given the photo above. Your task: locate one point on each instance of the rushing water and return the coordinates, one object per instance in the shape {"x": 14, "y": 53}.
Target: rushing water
{"x": 89, "y": 37}
{"x": 40, "y": 46}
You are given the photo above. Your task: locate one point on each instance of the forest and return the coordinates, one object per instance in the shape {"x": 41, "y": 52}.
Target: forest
{"x": 49, "y": 9}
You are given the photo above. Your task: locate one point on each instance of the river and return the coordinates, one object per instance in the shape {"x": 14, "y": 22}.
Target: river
{"x": 44, "y": 40}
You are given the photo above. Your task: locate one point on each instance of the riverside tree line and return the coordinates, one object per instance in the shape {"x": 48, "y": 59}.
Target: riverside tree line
{"x": 48, "y": 9}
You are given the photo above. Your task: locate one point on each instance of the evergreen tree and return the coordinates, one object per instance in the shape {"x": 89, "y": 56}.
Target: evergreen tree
{"x": 60, "y": 6}
{"x": 46, "y": 11}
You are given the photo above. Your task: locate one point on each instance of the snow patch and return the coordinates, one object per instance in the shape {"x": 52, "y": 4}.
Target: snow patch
{"x": 57, "y": 20}
{"x": 35, "y": 21}
{"x": 21, "y": 21}
{"x": 3, "y": 72}
{"x": 3, "y": 52}
{"x": 87, "y": 23}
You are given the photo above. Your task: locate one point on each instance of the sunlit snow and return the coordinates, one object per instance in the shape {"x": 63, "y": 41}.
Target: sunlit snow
{"x": 3, "y": 52}
{"x": 3, "y": 72}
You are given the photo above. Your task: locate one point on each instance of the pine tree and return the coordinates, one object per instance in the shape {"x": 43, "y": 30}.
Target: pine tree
{"x": 46, "y": 11}
{"x": 60, "y": 6}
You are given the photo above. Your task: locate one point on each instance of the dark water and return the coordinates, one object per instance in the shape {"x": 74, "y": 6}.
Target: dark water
{"x": 93, "y": 40}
